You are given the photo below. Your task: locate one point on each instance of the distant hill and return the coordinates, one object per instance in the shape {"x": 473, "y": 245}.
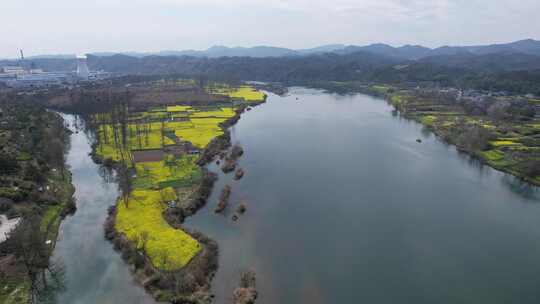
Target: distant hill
{"x": 329, "y": 48}
{"x": 410, "y": 52}
{"x": 488, "y": 62}
{"x": 325, "y": 66}
{"x": 215, "y": 52}
{"x": 414, "y": 52}
{"x": 59, "y": 56}
{"x": 513, "y": 67}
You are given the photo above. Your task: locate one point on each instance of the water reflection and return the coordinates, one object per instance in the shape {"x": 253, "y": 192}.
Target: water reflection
{"x": 94, "y": 272}
{"x": 344, "y": 206}
{"x": 521, "y": 188}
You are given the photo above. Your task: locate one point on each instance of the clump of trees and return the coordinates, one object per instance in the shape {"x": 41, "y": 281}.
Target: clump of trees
{"x": 530, "y": 167}
{"x": 30, "y": 245}
{"x": 246, "y": 292}
{"x": 33, "y": 145}
{"x": 503, "y": 110}
{"x": 8, "y": 164}
{"x": 474, "y": 138}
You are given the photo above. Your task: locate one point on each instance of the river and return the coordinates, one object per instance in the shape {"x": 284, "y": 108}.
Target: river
{"x": 94, "y": 272}
{"x": 343, "y": 206}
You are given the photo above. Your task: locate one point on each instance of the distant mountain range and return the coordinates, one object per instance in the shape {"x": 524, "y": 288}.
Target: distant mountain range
{"x": 223, "y": 51}
{"x": 511, "y": 67}
{"x": 413, "y": 52}
{"x": 409, "y": 52}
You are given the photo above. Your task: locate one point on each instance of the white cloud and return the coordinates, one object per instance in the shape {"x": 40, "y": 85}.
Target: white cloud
{"x": 78, "y": 26}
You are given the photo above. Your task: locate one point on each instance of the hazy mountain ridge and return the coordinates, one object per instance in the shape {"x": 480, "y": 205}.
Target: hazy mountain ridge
{"x": 411, "y": 52}
{"x": 511, "y": 67}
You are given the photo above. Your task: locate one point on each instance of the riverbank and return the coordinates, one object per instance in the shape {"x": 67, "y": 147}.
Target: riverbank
{"x": 510, "y": 145}
{"x": 172, "y": 263}
{"x": 498, "y": 130}
{"x": 35, "y": 191}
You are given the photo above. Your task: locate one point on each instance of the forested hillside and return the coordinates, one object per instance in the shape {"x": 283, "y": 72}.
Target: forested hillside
{"x": 511, "y": 67}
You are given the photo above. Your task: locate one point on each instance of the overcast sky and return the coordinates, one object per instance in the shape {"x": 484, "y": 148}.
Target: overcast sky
{"x": 83, "y": 26}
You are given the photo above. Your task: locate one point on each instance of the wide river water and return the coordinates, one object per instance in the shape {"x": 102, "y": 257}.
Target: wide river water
{"x": 343, "y": 206}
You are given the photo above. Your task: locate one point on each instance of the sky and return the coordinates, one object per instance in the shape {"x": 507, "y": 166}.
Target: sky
{"x": 84, "y": 26}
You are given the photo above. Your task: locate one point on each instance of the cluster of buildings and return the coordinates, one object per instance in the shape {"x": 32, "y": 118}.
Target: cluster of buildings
{"x": 482, "y": 100}
{"x": 18, "y": 76}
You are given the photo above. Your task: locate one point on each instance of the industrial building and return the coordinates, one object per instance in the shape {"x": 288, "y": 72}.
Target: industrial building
{"x": 19, "y": 76}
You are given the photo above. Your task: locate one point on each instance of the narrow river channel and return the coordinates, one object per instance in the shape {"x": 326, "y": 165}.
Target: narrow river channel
{"x": 343, "y": 206}
{"x": 95, "y": 273}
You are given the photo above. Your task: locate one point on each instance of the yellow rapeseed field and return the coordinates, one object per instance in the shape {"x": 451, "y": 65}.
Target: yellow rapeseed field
{"x": 167, "y": 248}
{"x": 246, "y": 93}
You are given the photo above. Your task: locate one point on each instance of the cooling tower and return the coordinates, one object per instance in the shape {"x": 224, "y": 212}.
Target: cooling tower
{"x": 82, "y": 67}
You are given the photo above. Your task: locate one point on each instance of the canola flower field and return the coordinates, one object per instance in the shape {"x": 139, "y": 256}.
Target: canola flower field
{"x": 166, "y": 247}
{"x": 246, "y": 93}
{"x": 155, "y": 184}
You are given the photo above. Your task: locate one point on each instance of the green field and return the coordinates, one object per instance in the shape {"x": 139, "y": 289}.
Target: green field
{"x": 152, "y": 175}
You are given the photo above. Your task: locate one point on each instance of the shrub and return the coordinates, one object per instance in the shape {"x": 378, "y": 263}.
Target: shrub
{"x": 5, "y": 205}
{"x": 474, "y": 138}
{"x": 531, "y": 167}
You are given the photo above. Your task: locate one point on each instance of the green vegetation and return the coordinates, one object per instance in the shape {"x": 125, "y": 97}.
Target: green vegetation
{"x": 382, "y": 89}
{"x": 35, "y": 186}
{"x": 170, "y": 172}
{"x": 14, "y": 290}
{"x": 428, "y": 120}
{"x": 504, "y": 142}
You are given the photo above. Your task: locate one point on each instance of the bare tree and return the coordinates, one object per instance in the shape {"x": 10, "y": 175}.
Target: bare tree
{"x": 124, "y": 183}
{"x": 30, "y": 246}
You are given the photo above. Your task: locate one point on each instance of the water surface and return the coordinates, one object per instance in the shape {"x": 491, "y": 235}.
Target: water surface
{"x": 344, "y": 206}
{"x": 95, "y": 273}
